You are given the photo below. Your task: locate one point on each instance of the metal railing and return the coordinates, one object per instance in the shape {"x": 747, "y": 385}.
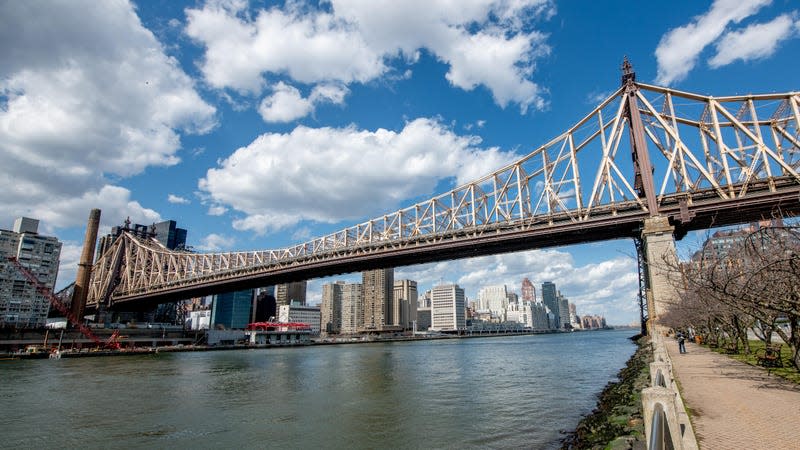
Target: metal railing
{"x": 667, "y": 425}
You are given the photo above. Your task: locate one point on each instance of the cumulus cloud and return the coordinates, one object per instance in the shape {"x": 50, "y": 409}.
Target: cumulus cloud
{"x": 757, "y": 41}
{"x": 68, "y": 267}
{"x": 215, "y": 242}
{"x": 333, "y": 174}
{"x": 287, "y": 104}
{"x": 679, "y": 49}
{"x": 485, "y": 43}
{"x": 177, "y": 200}
{"x": 86, "y": 92}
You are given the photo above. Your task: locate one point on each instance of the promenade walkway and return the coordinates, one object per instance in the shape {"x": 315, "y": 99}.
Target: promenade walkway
{"x": 734, "y": 405}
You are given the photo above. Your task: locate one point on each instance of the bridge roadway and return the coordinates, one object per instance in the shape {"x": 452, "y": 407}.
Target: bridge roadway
{"x": 624, "y": 221}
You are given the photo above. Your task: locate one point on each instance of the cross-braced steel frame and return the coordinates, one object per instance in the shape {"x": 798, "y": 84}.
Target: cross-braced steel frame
{"x": 706, "y": 154}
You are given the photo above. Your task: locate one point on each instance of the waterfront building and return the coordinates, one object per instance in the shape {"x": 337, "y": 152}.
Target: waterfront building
{"x": 590, "y": 322}
{"x": 539, "y": 316}
{"x": 448, "y": 310}
{"x": 352, "y": 308}
{"x": 266, "y": 306}
{"x": 286, "y": 294}
{"x": 331, "y": 309}
{"x": 423, "y": 318}
{"x": 198, "y": 320}
{"x": 296, "y": 312}
{"x": 550, "y": 300}
{"x": 563, "y": 311}
{"x": 495, "y": 300}
{"x": 21, "y": 305}
{"x": 378, "y": 294}
{"x": 528, "y": 291}
{"x": 405, "y": 296}
{"x": 232, "y": 310}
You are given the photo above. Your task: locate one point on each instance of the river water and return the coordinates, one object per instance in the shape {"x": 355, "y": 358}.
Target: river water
{"x": 500, "y": 392}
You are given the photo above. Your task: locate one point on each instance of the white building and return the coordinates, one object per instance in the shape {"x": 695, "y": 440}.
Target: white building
{"x": 300, "y": 313}
{"x": 21, "y": 305}
{"x": 448, "y": 311}
{"x": 494, "y": 299}
{"x": 199, "y": 320}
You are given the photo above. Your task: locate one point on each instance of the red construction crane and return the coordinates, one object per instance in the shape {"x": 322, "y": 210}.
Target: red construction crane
{"x": 111, "y": 343}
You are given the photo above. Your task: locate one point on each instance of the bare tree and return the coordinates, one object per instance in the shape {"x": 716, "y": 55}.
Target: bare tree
{"x": 757, "y": 280}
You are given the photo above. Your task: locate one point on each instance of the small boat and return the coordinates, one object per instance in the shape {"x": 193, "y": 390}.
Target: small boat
{"x": 35, "y": 352}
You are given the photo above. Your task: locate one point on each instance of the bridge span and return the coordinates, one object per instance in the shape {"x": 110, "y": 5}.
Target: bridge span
{"x": 648, "y": 161}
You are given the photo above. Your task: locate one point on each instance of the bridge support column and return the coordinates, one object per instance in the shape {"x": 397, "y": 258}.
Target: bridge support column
{"x": 659, "y": 254}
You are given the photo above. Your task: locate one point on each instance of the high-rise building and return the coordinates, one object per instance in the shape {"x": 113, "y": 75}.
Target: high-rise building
{"x": 448, "y": 310}
{"x": 405, "y": 296}
{"x": 331, "y": 308}
{"x": 494, "y": 299}
{"x": 528, "y": 291}
{"x": 550, "y": 299}
{"x": 378, "y": 286}
{"x": 287, "y": 293}
{"x": 423, "y": 318}
{"x": 21, "y": 305}
{"x": 539, "y": 315}
{"x": 563, "y": 311}
{"x": 166, "y": 233}
{"x": 300, "y": 313}
{"x": 232, "y": 310}
{"x": 266, "y": 306}
{"x": 352, "y": 308}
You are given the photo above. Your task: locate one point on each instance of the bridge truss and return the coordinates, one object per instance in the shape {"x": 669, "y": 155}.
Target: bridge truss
{"x": 644, "y": 151}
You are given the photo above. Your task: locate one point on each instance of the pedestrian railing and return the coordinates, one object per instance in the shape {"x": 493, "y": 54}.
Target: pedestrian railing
{"x": 666, "y": 424}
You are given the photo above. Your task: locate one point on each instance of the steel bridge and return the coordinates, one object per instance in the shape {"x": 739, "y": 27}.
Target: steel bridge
{"x": 646, "y": 151}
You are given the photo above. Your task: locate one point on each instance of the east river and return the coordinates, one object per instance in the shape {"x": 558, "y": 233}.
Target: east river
{"x": 500, "y": 392}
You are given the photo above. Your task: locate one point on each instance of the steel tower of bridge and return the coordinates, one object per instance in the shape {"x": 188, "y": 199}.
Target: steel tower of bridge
{"x": 648, "y": 163}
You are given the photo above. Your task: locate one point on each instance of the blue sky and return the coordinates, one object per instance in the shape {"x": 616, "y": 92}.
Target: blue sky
{"x": 257, "y": 124}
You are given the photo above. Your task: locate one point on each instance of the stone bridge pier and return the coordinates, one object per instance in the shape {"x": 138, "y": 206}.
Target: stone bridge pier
{"x": 660, "y": 265}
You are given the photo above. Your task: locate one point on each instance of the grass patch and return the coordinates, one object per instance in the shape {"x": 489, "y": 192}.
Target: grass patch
{"x": 788, "y": 371}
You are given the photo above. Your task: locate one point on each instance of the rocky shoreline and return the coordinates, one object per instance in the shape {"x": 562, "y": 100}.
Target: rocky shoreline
{"x": 616, "y": 422}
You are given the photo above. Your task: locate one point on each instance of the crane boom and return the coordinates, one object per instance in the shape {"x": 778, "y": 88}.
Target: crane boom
{"x": 62, "y": 308}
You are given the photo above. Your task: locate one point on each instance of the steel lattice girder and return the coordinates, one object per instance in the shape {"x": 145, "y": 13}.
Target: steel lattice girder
{"x": 703, "y": 150}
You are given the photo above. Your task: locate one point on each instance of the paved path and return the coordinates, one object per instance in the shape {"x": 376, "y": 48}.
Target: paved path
{"x": 734, "y": 405}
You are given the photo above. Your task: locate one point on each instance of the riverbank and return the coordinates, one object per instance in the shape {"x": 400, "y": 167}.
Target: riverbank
{"x": 617, "y": 421}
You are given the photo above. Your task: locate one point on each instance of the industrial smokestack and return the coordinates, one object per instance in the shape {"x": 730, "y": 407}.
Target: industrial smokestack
{"x": 85, "y": 266}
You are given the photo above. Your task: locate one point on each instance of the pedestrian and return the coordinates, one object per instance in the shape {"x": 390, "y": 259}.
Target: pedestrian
{"x": 681, "y": 343}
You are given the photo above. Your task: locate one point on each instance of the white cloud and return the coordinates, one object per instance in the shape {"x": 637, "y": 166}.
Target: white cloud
{"x": 757, "y": 41}
{"x": 216, "y": 242}
{"x": 679, "y": 49}
{"x": 68, "y": 265}
{"x": 217, "y": 210}
{"x": 85, "y": 92}
{"x": 485, "y": 43}
{"x": 334, "y": 174}
{"x": 177, "y": 200}
{"x": 309, "y": 49}
{"x": 287, "y": 104}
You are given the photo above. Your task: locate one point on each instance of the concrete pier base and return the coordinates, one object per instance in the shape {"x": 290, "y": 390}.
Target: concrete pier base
{"x": 659, "y": 252}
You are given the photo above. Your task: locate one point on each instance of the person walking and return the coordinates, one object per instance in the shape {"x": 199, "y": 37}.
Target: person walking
{"x": 681, "y": 343}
